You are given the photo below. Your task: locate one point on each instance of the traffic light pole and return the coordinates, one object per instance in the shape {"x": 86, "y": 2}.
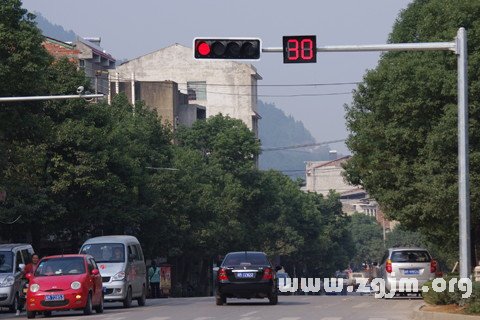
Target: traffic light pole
{"x": 459, "y": 47}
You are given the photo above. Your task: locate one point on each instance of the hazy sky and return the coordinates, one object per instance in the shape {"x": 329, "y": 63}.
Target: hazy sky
{"x": 133, "y": 28}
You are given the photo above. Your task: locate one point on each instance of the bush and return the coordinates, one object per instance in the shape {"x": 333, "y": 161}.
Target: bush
{"x": 473, "y": 307}
{"x": 432, "y": 297}
{"x": 442, "y": 298}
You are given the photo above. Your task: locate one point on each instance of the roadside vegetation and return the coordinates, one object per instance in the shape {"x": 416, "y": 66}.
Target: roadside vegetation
{"x": 74, "y": 169}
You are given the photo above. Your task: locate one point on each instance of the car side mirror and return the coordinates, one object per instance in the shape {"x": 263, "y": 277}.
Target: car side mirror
{"x": 29, "y": 276}
{"x": 21, "y": 267}
{"x": 95, "y": 272}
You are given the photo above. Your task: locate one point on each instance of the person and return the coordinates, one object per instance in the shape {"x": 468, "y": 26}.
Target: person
{"x": 32, "y": 266}
{"x": 29, "y": 268}
{"x": 118, "y": 255}
{"x": 154, "y": 277}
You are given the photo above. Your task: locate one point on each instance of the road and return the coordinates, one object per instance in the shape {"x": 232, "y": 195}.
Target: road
{"x": 288, "y": 308}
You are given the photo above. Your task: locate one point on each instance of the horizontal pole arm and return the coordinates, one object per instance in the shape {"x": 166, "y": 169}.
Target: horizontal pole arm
{"x": 447, "y": 46}
{"x": 35, "y": 98}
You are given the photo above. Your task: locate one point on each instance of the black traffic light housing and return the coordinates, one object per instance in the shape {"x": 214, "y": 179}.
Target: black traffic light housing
{"x": 227, "y": 48}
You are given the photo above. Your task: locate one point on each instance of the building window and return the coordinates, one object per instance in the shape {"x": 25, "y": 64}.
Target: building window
{"x": 197, "y": 90}
{"x": 81, "y": 63}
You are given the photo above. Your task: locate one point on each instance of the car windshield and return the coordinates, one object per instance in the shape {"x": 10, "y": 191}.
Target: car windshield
{"x": 410, "y": 256}
{"x": 6, "y": 262}
{"x": 60, "y": 266}
{"x": 105, "y": 252}
{"x": 246, "y": 259}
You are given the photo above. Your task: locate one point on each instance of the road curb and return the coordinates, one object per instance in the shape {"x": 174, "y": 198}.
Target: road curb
{"x": 419, "y": 314}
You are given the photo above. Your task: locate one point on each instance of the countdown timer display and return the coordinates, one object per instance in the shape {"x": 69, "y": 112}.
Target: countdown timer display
{"x": 299, "y": 49}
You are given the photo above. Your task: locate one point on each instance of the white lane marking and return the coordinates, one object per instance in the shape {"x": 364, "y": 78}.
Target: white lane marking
{"x": 362, "y": 305}
{"x": 203, "y": 318}
{"x": 248, "y": 314}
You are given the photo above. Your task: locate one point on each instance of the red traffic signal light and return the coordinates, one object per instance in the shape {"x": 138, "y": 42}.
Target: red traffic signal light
{"x": 227, "y": 48}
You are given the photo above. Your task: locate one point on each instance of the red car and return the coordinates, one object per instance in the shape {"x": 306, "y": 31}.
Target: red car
{"x": 63, "y": 283}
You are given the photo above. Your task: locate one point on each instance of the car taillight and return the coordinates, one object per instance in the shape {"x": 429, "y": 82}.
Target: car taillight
{"x": 222, "y": 274}
{"x": 388, "y": 266}
{"x": 433, "y": 266}
{"x": 267, "y": 274}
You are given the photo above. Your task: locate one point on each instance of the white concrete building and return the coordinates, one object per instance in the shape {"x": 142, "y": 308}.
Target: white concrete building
{"x": 323, "y": 176}
{"x": 225, "y": 87}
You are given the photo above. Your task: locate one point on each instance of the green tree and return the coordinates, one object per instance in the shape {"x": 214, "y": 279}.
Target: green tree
{"x": 368, "y": 238}
{"x": 403, "y": 123}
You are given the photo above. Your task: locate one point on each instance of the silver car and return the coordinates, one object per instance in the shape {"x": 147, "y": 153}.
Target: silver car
{"x": 402, "y": 266}
{"x": 13, "y": 258}
{"x": 122, "y": 267}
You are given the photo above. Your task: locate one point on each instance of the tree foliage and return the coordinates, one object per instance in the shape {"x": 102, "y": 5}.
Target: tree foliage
{"x": 74, "y": 169}
{"x": 403, "y": 123}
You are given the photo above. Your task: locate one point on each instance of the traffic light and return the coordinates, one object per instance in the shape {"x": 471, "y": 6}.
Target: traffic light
{"x": 227, "y": 48}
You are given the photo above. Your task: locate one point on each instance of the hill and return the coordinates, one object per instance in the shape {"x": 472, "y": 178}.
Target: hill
{"x": 279, "y": 130}
{"x": 52, "y": 30}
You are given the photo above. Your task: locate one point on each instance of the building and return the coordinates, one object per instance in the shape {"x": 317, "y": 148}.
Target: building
{"x": 162, "y": 96}
{"x": 59, "y": 49}
{"x": 96, "y": 62}
{"x": 225, "y": 87}
{"x": 90, "y": 57}
{"x": 323, "y": 176}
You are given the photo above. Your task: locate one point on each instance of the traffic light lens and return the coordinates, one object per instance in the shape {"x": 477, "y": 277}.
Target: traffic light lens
{"x": 218, "y": 49}
{"x": 203, "y": 49}
{"x": 233, "y": 49}
{"x": 248, "y": 50}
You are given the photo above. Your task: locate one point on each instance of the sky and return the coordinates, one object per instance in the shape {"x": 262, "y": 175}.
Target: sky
{"x": 130, "y": 29}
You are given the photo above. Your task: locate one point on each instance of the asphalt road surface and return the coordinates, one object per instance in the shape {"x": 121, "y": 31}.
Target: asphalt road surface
{"x": 352, "y": 307}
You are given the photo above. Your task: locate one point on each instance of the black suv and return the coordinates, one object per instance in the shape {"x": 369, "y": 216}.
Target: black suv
{"x": 246, "y": 274}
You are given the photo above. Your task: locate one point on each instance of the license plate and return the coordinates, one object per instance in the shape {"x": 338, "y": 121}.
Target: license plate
{"x": 54, "y": 297}
{"x": 411, "y": 271}
{"x": 245, "y": 275}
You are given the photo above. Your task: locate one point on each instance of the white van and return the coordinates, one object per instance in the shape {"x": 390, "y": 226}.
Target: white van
{"x": 122, "y": 267}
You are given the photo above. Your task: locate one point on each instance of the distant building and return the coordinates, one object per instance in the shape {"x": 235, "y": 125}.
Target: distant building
{"x": 323, "y": 176}
{"x": 225, "y": 87}
{"x": 88, "y": 55}
{"x": 59, "y": 49}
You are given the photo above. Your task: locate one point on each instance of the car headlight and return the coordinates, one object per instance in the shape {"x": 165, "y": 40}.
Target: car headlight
{"x": 34, "y": 287}
{"x": 75, "y": 285}
{"x": 119, "y": 276}
{"x": 7, "y": 282}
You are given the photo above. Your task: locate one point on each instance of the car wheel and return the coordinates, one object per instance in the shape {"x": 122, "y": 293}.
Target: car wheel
{"x": 99, "y": 308}
{"x": 31, "y": 314}
{"x": 220, "y": 300}
{"x": 88, "y": 306}
{"x": 127, "y": 303}
{"x": 143, "y": 298}
{"x": 14, "y": 306}
{"x": 47, "y": 314}
{"x": 273, "y": 298}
